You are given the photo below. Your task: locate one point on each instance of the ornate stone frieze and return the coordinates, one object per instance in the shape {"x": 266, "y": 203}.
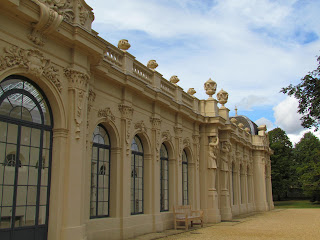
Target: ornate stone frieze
{"x": 33, "y": 61}
{"x": 91, "y": 99}
{"x": 156, "y": 126}
{"x": 107, "y": 114}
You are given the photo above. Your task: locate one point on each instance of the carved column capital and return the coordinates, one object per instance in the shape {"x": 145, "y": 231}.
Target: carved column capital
{"x": 77, "y": 79}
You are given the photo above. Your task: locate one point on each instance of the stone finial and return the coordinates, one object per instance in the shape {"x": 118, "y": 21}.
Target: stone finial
{"x": 262, "y": 128}
{"x": 191, "y": 91}
{"x": 152, "y": 64}
{"x": 210, "y": 86}
{"x": 247, "y": 130}
{"x": 240, "y": 125}
{"x": 234, "y": 121}
{"x": 124, "y": 45}
{"x": 236, "y": 111}
{"x": 174, "y": 79}
{"x": 222, "y": 97}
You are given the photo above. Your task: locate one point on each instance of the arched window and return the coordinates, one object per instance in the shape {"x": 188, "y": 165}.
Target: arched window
{"x": 25, "y": 159}
{"x": 164, "y": 179}
{"x": 100, "y": 173}
{"x": 136, "y": 176}
{"x": 185, "y": 194}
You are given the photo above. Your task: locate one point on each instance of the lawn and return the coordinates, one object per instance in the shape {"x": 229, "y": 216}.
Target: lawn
{"x": 296, "y": 204}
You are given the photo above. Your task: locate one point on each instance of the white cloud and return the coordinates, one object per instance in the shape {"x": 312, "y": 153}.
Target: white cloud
{"x": 251, "y": 48}
{"x": 287, "y": 117}
{"x": 264, "y": 121}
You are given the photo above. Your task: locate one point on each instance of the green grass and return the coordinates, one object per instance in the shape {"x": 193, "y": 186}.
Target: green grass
{"x": 296, "y": 204}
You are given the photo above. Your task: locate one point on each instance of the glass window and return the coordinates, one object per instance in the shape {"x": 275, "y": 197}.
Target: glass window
{"x": 136, "y": 176}
{"x": 185, "y": 197}
{"x": 25, "y": 157}
{"x": 164, "y": 179}
{"x": 100, "y": 174}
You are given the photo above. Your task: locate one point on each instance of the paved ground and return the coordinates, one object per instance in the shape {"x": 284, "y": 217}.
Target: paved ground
{"x": 300, "y": 224}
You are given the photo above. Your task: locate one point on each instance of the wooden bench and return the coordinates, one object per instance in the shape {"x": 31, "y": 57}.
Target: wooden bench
{"x": 187, "y": 215}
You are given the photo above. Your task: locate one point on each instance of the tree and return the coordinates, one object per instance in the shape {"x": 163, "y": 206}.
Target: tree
{"x": 281, "y": 162}
{"x": 307, "y": 156}
{"x": 308, "y": 94}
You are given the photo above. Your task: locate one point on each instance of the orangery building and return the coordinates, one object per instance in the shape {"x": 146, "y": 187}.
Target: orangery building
{"x": 96, "y": 145}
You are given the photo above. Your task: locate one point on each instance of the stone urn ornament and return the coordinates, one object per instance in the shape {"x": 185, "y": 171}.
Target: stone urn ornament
{"x": 152, "y": 64}
{"x": 174, "y": 79}
{"x": 191, "y": 91}
{"x": 210, "y": 86}
{"x": 222, "y": 97}
{"x": 124, "y": 45}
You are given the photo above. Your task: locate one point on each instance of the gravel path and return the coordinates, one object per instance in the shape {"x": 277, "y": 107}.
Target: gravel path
{"x": 278, "y": 224}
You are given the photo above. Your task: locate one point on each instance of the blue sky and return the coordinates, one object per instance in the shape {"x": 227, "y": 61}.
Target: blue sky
{"x": 251, "y": 48}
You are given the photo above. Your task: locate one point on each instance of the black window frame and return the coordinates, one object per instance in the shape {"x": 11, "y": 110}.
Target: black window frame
{"x": 185, "y": 163}
{"x": 134, "y": 177}
{"x": 164, "y": 160}
{"x": 98, "y": 172}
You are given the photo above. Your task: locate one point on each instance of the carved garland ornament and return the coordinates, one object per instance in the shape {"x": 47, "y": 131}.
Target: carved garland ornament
{"x": 32, "y": 60}
{"x": 62, "y": 7}
{"x": 140, "y": 126}
{"x": 196, "y": 141}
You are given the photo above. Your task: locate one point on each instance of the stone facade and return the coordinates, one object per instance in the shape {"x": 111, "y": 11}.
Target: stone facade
{"x": 213, "y": 162}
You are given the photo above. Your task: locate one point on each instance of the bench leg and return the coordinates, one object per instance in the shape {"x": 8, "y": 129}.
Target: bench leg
{"x": 175, "y": 225}
{"x": 191, "y": 223}
{"x": 187, "y": 225}
{"x": 201, "y": 223}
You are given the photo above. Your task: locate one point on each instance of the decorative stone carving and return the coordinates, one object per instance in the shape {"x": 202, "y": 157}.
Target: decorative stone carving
{"x": 76, "y": 78}
{"x": 174, "y": 79}
{"x": 178, "y": 131}
{"x": 186, "y": 142}
{"x": 210, "y": 86}
{"x": 48, "y": 22}
{"x": 234, "y": 121}
{"x": 124, "y": 45}
{"x": 107, "y": 114}
{"x": 84, "y": 14}
{"x": 62, "y": 7}
{"x": 156, "y": 122}
{"x": 166, "y": 136}
{"x": 240, "y": 125}
{"x": 247, "y": 130}
{"x": 126, "y": 114}
{"x": 212, "y": 161}
{"x": 140, "y": 126}
{"x": 222, "y": 97}
{"x": 196, "y": 141}
{"x": 33, "y": 61}
{"x": 191, "y": 91}
{"x": 91, "y": 99}
{"x": 152, "y": 64}
{"x": 226, "y": 147}
{"x": 78, "y": 82}
{"x": 213, "y": 151}
{"x": 156, "y": 126}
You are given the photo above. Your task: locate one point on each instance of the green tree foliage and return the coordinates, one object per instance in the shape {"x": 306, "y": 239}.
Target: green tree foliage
{"x": 307, "y": 157}
{"x": 281, "y": 162}
{"x": 308, "y": 94}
